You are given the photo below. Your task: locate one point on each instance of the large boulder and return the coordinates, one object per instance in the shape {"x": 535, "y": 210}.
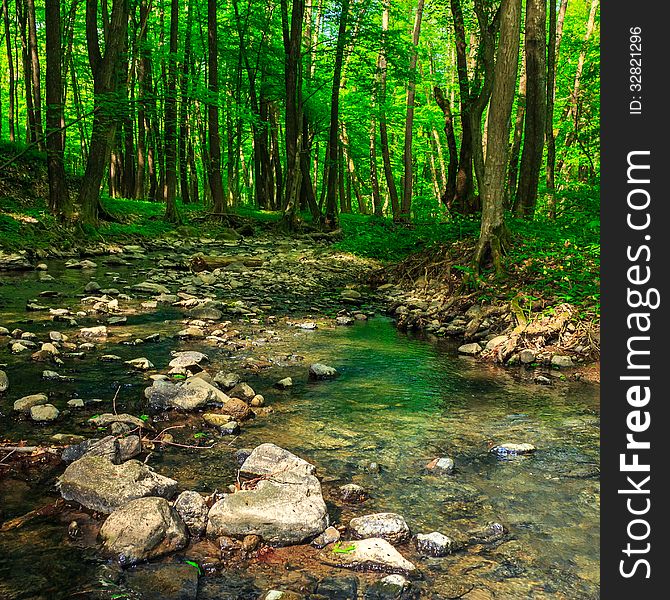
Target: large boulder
{"x": 286, "y": 508}
{"x": 24, "y": 404}
{"x": 191, "y": 395}
{"x": 44, "y": 413}
{"x": 388, "y": 526}
{"x": 98, "y": 484}
{"x": 268, "y": 459}
{"x": 373, "y": 554}
{"x": 143, "y": 529}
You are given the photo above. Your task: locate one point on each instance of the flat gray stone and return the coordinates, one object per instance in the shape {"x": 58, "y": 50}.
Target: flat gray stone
{"x": 96, "y": 483}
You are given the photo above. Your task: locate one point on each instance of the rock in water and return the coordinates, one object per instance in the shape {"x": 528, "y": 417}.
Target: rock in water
{"x": 319, "y": 371}
{"x": 96, "y": 483}
{"x": 513, "y": 449}
{"x": 143, "y": 529}
{"x": 470, "y": 349}
{"x": 188, "y": 360}
{"x": 338, "y": 588}
{"x": 268, "y": 459}
{"x": 285, "y": 383}
{"x": 243, "y": 391}
{"x": 238, "y": 409}
{"x": 4, "y": 382}
{"x": 393, "y": 587}
{"x": 27, "y": 402}
{"x": 388, "y": 526}
{"x": 44, "y": 413}
{"x": 562, "y": 362}
{"x": 284, "y": 509}
{"x": 192, "y": 509}
{"x": 14, "y": 262}
{"x": 443, "y": 464}
{"x": 373, "y": 554}
{"x": 352, "y": 493}
{"x": 148, "y": 287}
{"x": 435, "y": 544}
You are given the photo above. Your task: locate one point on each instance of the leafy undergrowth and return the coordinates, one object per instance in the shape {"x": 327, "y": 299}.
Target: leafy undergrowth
{"x": 553, "y": 261}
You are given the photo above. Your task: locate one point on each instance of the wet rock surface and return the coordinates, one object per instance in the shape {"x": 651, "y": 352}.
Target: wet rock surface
{"x": 98, "y": 484}
{"x": 143, "y": 529}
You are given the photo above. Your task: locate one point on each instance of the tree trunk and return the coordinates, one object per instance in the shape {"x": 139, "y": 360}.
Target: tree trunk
{"x": 59, "y": 197}
{"x": 383, "y": 131}
{"x": 493, "y": 232}
{"x": 513, "y": 175}
{"x": 214, "y": 171}
{"x": 143, "y": 128}
{"x": 104, "y": 68}
{"x": 377, "y": 202}
{"x": 11, "y": 111}
{"x": 461, "y": 198}
{"x": 408, "y": 178}
{"x": 452, "y": 169}
{"x": 184, "y": 132}
{"x": 35, "y": 72}
{"x": 292, "y": 36}
{"x": 536, "y": 107}
{"x": 171, "y": 213}
{"x": 571, "y": 111}
{"x": 331, "y": 204}
{"x": 549, "y": 122}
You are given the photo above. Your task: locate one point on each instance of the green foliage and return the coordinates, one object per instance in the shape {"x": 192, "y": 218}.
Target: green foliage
{"x": 381, "y": 238}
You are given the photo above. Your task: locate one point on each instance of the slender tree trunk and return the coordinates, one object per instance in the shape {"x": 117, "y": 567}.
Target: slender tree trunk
{"x": 452, "y": 170}
{"x": 549, "y": 122}
{"x": 536, "y": 107}
{"x": 214, "y": 171}
{"x": 377, "y": 201}
{"x": 383, "y": 130}
{"x": 408, "y": 178}
{"x": 461, "y": 198}
{"x": 105, "y": 68}
{"x": 35, "y": 72}
{"x": 331, "y": 204}
{"x": 572, "y": 108}
{"x": 22, "y": 25}
{"x": 513, "y": 174}
{"x": 184, "y": 132}
{"x": 171, "y": 213}
{"x": 11, "y": 110}
{"x": 492, "y": 236}
{"x": 59, "y": 197}
{"x": 292, "y": 36}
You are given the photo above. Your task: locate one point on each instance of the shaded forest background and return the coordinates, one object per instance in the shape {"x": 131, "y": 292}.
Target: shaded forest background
{"x": 404, "y": 123}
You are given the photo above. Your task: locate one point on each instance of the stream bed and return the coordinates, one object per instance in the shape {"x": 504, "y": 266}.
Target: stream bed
{"x": 400, "y": 401}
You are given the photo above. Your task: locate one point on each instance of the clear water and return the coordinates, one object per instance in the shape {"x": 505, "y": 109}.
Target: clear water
{"x": 400, "y": 401}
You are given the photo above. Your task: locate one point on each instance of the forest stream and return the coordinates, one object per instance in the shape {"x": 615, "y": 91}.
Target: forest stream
{"x": 400, "y": 401}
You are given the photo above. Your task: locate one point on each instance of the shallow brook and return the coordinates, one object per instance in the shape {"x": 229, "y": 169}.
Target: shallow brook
{"x": 399, "y": 401}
